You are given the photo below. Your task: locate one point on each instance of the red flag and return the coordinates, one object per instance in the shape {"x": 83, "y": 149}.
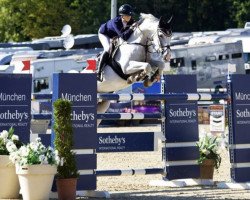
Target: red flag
{"x": 26, "y": 64}
{"x": 91, "y": 65}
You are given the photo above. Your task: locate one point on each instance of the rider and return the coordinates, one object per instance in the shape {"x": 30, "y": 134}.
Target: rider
{"x": 121, "y": 26}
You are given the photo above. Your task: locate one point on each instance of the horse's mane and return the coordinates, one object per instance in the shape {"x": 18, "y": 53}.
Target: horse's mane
{"x": 149, "y": 21}
{"x": 149, "y": 17}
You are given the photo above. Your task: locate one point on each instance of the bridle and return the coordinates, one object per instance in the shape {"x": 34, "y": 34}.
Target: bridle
{"x": 162, "y": 48}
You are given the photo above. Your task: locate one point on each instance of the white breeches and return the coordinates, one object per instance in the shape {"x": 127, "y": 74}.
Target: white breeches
{"x": 105, "y": 41}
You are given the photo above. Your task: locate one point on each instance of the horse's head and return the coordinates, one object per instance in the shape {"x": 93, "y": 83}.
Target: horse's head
{"x": 161, "y": 39}
{"x": 166, "y": 26}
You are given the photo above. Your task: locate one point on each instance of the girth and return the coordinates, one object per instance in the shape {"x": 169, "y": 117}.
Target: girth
{"x": 117, "y": 68}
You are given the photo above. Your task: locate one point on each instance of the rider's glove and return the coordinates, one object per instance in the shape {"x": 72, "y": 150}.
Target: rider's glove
{"x": 133, "y": 26}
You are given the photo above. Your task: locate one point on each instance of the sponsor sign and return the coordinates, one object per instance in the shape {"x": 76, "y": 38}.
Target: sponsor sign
{"x": 239, "y": 116}
{"x": 125, "y": 142}
{"x": 240, "y": 94}
{"x": 81, "y": 90}
{"x": 217, "y": 118}
{"x": 15, "y": 104}
{"x": 84, "y": 98}
{"x": 181, "y": 126}
{"x": 181, "y": 115}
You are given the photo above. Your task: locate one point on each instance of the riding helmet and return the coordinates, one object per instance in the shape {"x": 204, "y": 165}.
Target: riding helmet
{"x": 126, "y": 9}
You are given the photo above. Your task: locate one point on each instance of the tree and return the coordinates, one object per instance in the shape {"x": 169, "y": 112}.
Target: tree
{"x": 89, "y": 15}
{"x": 27, "y": 19}
{"x": 22, "y": 20}
{"x": 165, "y": 8}
{"x": 209, "y": 15}
{"x": 241, "y": 12}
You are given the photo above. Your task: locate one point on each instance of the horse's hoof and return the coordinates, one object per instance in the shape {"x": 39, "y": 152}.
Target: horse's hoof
{"x": 147, "y": 83}
{"x": 129, "y": 80}
{"x": 141, "y": 76}
{"x": 138, "y": 78}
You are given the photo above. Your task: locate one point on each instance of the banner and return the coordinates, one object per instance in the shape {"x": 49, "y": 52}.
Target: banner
{"x": 217, "y": 118}
{"x": 81, "y": 90}
{"x": 15, "y": 104}
{"x": 239, "y": 126}
{"x": 181, "y": 129}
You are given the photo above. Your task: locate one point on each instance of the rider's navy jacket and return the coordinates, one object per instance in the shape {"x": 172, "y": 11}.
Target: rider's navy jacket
{"x": 114, "y": 28}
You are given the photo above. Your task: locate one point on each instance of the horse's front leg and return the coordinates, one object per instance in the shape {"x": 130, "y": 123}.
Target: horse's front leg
{"x": 137, "y": 70}
{"x": 163, "y": 67}
{"x": 160, "y": 68}
{"x": 149, "y": 80}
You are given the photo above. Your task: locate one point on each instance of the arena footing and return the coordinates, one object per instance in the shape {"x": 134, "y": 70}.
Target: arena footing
{"x": 182, "y": 183}
{"x": 230, "y": 185}
{"x": 93, "y": 194}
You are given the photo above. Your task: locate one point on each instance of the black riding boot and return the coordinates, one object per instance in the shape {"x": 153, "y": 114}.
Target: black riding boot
{"x": 102, "y": 62}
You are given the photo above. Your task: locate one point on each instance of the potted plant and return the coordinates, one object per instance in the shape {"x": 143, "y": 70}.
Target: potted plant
{"x": 8, "y": 143}
{"x": 36, "y": 166}
{"x": 67, "y": 173}
{"x": 209, "y": 158}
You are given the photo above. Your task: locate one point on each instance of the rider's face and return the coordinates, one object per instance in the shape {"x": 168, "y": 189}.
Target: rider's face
{"x": 126, "y": 18}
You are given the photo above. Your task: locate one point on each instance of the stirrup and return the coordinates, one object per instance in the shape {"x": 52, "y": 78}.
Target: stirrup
{"x": 99, "y": 77}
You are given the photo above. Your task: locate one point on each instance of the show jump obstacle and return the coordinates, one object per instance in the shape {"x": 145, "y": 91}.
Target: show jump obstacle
{"x": 179, "y": 124}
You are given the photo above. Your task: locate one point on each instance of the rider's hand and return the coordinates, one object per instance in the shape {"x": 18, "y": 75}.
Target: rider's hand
{"x": 134, "y": 25}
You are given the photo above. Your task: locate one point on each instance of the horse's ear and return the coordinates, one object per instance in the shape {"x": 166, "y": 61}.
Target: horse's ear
{"x": 162, "y": 23}
{"x": 170, "y": 20}
{"x": 166, "y": 25}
